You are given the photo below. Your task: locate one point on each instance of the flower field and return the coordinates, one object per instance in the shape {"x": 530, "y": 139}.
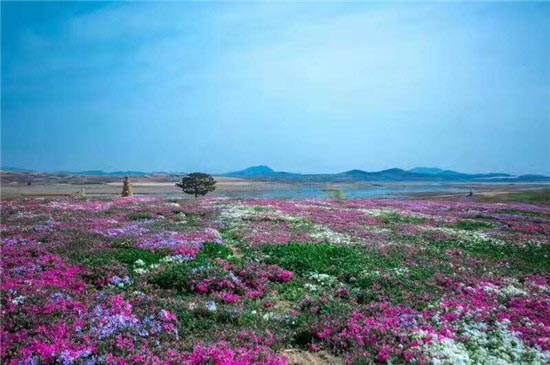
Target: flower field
{"x": 226, "y": 281}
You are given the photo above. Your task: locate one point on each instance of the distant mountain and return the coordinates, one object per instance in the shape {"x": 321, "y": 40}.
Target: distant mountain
{"x": 252, "y": 171}
{"x": 89, "y": 172}
{"x": 532, "y": 176}
{"x": 431, "y": 171}
{"x": 450, "y": 174}
{"x": 394, "y": 174}
{"x": 266, "y": 173}
{"x": 389, "y": 174}
{"x": 355, "y": 173}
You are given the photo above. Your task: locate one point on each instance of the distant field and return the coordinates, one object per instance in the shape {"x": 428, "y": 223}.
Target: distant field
{"x": 535, "y": 196}
{"x": 240, "y": 188}
{"x": 225, "y": 187}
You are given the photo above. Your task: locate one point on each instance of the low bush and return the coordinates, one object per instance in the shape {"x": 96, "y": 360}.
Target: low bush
{"x": 471, "y": 225}
{"x": 337, "y": 260}
{"x": 178, "y": 277}
{"x": 394, "y": 218}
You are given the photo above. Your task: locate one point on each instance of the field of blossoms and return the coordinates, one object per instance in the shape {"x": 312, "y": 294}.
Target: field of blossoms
{"x": 264, "y": 281}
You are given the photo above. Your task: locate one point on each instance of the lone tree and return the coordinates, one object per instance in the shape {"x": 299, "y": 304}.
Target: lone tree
{"x": 197, "y": 183}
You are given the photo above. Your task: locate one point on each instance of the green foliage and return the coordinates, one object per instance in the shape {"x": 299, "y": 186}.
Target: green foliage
{"x": 199, "y": 324}
{"x": 94, "y": 259}
{"x": 528, "y": 259}
{"x": 336, "y": 194}
{"x": 472, "y": 225}
{"x": 523, "y": 212}
{"x": 537, "y": 196}
{"x": 534, "y": 196}
{"x": 396, "y": 218}
{"x": 134, "y": 216}
{"x": 177, "y": 276}
{"x": 80, "y": 244}
{"x": 337, "y": 260}
{"x": 129, "y": 256}
{"x": 192, "y": 324}
{"x": 197, "y": 183}
{"x": 397, "y": 288}
{"x": 292, "y": 291}
{"x": 213, "y": 251}
{"x": 177, "y": 223}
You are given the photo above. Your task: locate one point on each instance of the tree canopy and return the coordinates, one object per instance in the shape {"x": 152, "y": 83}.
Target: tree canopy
{"x": 197, "y": 183}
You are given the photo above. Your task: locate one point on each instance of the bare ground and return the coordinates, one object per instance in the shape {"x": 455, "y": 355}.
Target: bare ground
{"x": 47, "y": 185}
{"x": 301, "y": 357}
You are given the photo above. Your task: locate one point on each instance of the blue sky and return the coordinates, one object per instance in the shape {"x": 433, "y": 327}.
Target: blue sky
{"x": 310, "y": 87}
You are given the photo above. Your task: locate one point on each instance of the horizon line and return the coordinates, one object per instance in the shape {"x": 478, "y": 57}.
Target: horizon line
{"x": 21, "y": 169}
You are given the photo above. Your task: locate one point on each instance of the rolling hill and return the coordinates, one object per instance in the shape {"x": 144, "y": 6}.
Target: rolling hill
{"x": 388, "y": 175}
{"x": 266, "y": 173}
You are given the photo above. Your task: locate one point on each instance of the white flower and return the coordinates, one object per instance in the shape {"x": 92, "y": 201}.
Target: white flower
{"x": 141, "y": 271}
{"x": 512, "y": 291}
{"x": 400, "y": 271}
{"x": 311, "y": 287}
{"x": 325, "y": 234}
{"x": 18, "y": 300}
{"x": 212, "y": 307}
{"x": 448, "y": 352}
{"x": 323, "y": 279}
{"x": 485, "y": 347}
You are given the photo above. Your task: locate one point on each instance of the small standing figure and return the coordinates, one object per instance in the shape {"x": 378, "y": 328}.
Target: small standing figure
{"x": 126, "y": 188}
{"x": 470, "y": 193}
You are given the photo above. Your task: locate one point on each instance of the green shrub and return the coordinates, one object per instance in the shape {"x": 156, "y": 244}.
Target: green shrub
{"x": 472, "y": 225}
{"x": 177, "y": 276}
{"x": 337, "y": 260}
{"x": 134, "y": 216}
{"x": 394, "y": 217}
{"x": 94, "y": 259}
{"x": 129, "y": 256}
{"x": 522, "y": 212}
{"x": 212, "y": 251}
{"x": 530, "y": 258}
{"x": 535, "y": 196}
{"x": 336, "y": 194}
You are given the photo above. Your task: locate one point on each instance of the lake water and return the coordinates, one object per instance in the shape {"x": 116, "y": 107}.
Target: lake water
{"x": 349, "y": 193}
{"x": 389, "y": 190}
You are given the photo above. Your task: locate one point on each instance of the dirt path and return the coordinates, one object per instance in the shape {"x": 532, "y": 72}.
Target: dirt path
{"x": 301, "y": 357}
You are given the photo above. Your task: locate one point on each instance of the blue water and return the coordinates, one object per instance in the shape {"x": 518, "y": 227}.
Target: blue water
{"x": 349, "y": 193}
{"x": 375, "y": 191}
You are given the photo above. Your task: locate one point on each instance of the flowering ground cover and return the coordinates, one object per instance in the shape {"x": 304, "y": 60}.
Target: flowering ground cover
{"x": 225, "y": 281}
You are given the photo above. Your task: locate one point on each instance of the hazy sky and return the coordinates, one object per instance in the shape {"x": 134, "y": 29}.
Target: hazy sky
{"x": 311, "y": 87}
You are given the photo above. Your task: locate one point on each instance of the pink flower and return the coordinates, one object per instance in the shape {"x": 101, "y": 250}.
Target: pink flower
{"x": 167, "y": 315}
{"x": 284, "y": 276}
{"x": 230, "y": 298}
{"x": 384, "y": 354}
